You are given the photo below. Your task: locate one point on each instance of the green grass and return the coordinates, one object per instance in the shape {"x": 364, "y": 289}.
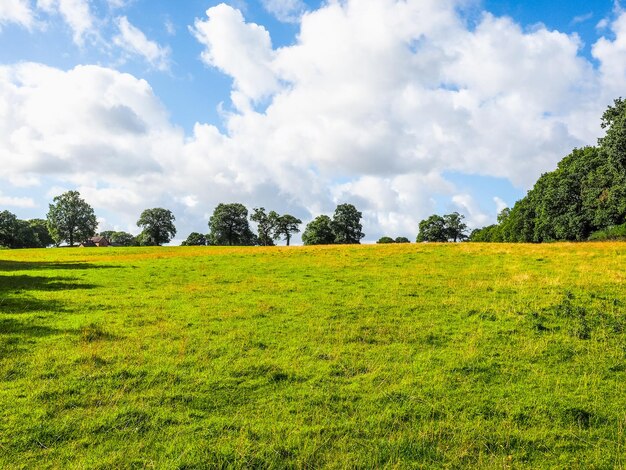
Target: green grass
{"x": 398, "y": 356}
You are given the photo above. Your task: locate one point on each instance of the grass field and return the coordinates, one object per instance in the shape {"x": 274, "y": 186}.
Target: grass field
{"x": 456, "y": 356}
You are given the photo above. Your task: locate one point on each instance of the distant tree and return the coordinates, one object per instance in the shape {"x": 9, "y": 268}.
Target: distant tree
{"x": 346, "y": 225}
{"x": 229, "y": 226}
{"x": 456, "y": 230}
{"x": 195, "y": 239}
{"x": 614, "y": 142}
{"x": 286, "y": 226}
{"x": 386, "y": 240}
{"x": 8, "y": 229}
{"x": 432, "y": 229}
{"x": 319, "y": 232}
{"x": 119, "y": 238}
{"x": 266, "y": 225}
{"x": 402, "y": 240}
{"x": 42, "y": 235}
{"x": 158, "y": 226}
{"x": 71, "y": 219}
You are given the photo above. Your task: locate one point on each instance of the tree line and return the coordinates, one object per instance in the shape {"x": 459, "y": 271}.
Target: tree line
{"x": 583, "y": 199}
{"x": 72, "y": 220}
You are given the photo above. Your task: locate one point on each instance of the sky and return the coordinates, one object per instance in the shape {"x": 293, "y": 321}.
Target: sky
{"x": 403, "y": 108}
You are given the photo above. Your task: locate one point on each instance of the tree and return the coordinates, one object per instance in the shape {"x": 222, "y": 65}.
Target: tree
{"x": 229, "y": 226}
{"x": 614, "y": 142}
{"x": 195, "y": 239}
{"x": 119, "y": 238}
{"x": 346, "y": 225}
{"x": 432, "y": 229}
{"x": 42, "y": 235}
{"x": 402, "y": 240}
{"x": 319, "y": 232}
{"x": 8, "y": 229}
{"x": 385, "y": 240}
{"x": 71, "y": 219}
{"x": 158, "y": 226}
{"x": 266, "y": 225}
{"x": 287, "y": 225}
{"x": 456, "y": 230}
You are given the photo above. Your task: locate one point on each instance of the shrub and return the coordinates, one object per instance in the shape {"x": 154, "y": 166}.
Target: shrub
{"x": 385, "y": 240}
{"x": 615, "y": 232}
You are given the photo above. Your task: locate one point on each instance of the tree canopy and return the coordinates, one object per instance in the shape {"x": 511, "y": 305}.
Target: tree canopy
{"x": 319, "y": 232}
{"x": 346, "y": 225}
{"x": 286, "y": 226}
{"x": 195, "y": 239}
{"x": 229, "y": 226}
{"x": 266, "y": 225}
{"x": 71, "y": 219}
{"x": 158, "y": 226}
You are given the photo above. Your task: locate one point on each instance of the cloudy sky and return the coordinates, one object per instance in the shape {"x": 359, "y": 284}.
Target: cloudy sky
{"x": 403, "y": 108}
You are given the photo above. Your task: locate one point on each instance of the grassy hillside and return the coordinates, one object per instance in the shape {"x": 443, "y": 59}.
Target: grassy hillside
{"x": 494, "y": 356}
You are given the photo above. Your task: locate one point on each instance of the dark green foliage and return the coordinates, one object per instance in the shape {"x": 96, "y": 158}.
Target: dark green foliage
{"x": 346, "y": 225}
{"x": 158, "y": 226}
{"x": 402, "y": 240}
{"x": 616, "y": 232}
{"x": 455, "y": 228}
{"x": 42, "y": 235}
{"x": 286, "y": 226}
{"x": 432, "y": 229}
{"x": 229, "y": 226}
{"x": 120, "y": 238}
{"x": 16, "y": 233}
{"x": 386, "y": 240}
{"x": 195, "y": 239}
{"x": 319, "y": 232}
{"x": 266, "y": 225}
{"x": 71, "y": 219}
{"x": 8, "y": 229}
{"x": 586, "y": 194}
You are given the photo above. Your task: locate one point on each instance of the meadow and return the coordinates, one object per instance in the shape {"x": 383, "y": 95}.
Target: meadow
{"x": 397, "y": 356}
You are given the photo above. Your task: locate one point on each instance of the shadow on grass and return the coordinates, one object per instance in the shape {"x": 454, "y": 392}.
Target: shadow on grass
{"x": 10, "y": 326}
{"x": 10, "y": 265}
{"x": 15, "y": 297}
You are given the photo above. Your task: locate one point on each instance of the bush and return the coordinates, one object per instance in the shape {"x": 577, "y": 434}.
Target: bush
{"x": 385, "y": 240}
{"x": 616, "y": 232}
{"x": 402, "y": 240}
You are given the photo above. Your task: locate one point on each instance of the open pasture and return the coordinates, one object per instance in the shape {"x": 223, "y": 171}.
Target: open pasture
{"x": 454, "y": 355}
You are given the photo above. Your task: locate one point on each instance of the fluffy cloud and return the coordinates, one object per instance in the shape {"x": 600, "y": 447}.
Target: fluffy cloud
{"x": 239, "y": 49}
{"x": 16, "y": 11}
{"x": 135, "y": 42}
{"x": 373, "y": 104}
{"x": 76, "y": 13}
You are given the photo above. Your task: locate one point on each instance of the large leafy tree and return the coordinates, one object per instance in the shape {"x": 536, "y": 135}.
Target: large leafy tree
{"x": 346, "y": 225}
{"x": 8, "y": 229}
{"x": 229, "y": 226}
{"x": 266, "y": 225}
{"x": 195, "y": 239}
{"x": 41, "y": 233}
{"x": 432, "y": 229}
{"x": 319, "y": 232}
{"x": 158, "y": 226}
{"x": 286, "y": 226}
{"x": 456, "y": 229}
{"x": 71, "y": 219}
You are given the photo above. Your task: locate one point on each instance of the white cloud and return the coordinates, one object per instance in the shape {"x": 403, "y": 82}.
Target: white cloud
{"x": 22, "y": 202}
{"x": 16, "y": 11}
{"x": 287, "y": 11}
{"x": 372, "y": 105}
{"x": 241, "y": 50}
{"x": 135, "y": 42}
{"x": 76, "y": 13}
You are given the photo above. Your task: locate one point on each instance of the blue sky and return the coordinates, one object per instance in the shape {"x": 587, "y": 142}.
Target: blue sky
{"x": 403, "y": 108}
